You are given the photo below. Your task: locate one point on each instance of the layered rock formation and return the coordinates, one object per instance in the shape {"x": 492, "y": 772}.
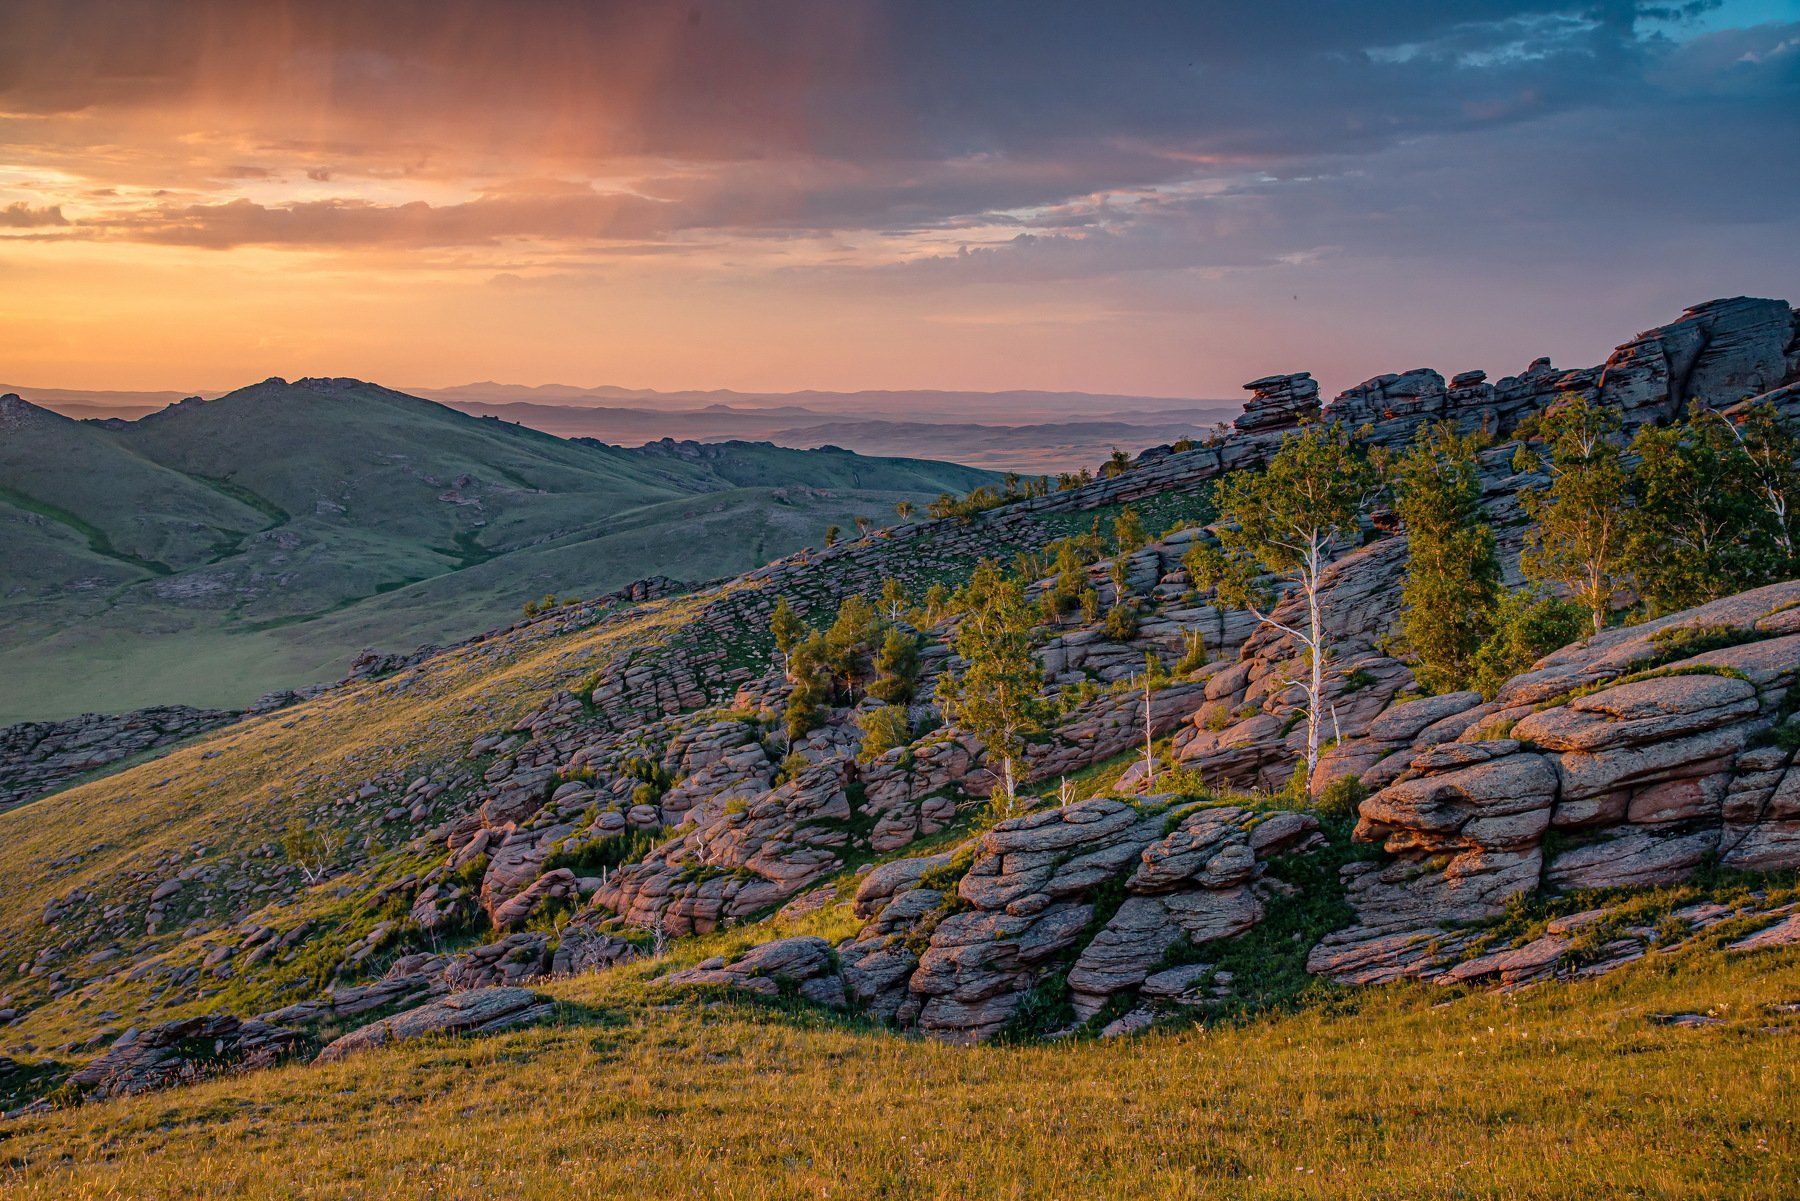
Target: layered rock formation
{"x": 1627, "y": 760}
{"x": 181, "y": 1052}
{"x": 478, "y": 1011}
{"x": 1104, "y": 890}
{"x": 37, "y": 756}
{"x": 1279, "y": 402}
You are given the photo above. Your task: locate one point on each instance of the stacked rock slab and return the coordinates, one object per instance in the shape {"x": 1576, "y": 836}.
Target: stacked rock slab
{"x": 479, "y": 1011}
{"x": 1644, "y": 760}
{"x": 37, "y": 756}
{"x": 1279, "y": 402}
{"x": 181, "y": 1052}
{"x": 955, "y": 954}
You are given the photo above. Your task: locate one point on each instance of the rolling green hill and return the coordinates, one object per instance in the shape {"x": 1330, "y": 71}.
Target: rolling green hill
{"x": 216, "y": 550}
{"x": 122, "y": 507}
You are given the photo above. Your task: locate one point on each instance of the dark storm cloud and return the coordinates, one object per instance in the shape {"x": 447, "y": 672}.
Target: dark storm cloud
{"x": 1112, "y": 137}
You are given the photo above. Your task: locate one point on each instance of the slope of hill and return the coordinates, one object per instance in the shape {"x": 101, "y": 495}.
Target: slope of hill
{"x": 215, "y": 550}
{"x": 604, "y": 794}
{"x": 125, "y": 506}
{"x": 1591, "y": 1090}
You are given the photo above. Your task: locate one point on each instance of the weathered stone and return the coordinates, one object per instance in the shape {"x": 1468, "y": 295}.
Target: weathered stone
{"x": 1279, "y": 401}
{"x": 481, "y": 1011}
{"x": 1125, "y": 951}
{"x": 1632, "y": 858}
{"x": 181, "y": 1052}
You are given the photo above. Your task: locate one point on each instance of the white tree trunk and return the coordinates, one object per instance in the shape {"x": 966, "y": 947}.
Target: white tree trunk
{"x": 1149, "y": 746}
{"x": 1316, "y": 686}
{"x": 1314, "y": 642}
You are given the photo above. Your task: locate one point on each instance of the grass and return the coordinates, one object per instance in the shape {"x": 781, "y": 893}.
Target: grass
{"x": 98, "y": 541}
{"x": 353, "y": 503}
{"x": 230, "y": 792}
{"x": 1567, "y": 1092}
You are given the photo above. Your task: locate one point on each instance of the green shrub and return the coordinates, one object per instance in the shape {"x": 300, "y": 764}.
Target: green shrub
{"x": 469, "y": 875}
{"x": 883, "y": 729}
{"x": 1121, "y": 623}
{"x": 1193, "y": 653}
{"x": 587, "y": 855}
{"x": 1341, "y": 797}
{"x": 791, "y": 767}
{"x": 1527, "y": 626}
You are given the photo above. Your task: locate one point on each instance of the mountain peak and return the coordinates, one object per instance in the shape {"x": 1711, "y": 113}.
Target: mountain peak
{"x": 16, "y": 412}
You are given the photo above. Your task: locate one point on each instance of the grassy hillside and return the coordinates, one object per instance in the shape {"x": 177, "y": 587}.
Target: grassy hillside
{"x": 221, "y": 802}
{"x": 1567, "y": 1092}
{"x": 217, "y": 550}
{"x": 124, "y": 507}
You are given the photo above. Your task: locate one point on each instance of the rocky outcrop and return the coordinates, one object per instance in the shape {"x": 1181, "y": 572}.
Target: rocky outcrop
{"x": 807, "y": 966}
{"x": 737, "y": 844}
{"x": 1722, "y": 352}
{"x": 479, "y": 1011}
{"x": 1279, "y": 402}
{"x": 1101, "y": 893}
{"x": 1628, "y": 760}
{"x": 181, "y": 1052}
{"x": 39, "y": 756}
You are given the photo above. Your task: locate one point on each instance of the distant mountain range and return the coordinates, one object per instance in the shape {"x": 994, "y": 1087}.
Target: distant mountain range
{"x": 213, "y": 550}
{"x": 1026, "y": 431}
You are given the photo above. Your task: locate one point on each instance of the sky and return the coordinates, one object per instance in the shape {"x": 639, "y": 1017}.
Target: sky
{"x": 1152, "y": 198}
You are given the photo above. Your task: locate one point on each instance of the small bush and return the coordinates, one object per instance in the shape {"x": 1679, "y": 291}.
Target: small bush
{"x": 1527, "y": 626}
{"x": 883, "y": 729}
{"x": 1121, "y": 623}
{"x": 791, "y": 767}
{"x": 1193, "y": 653}
{"x": 1341, "y": 797}
{"x": 587, "y": 855}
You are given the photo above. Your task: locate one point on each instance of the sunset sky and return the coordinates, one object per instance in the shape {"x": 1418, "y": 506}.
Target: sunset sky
{"x": 1153, "y": 198}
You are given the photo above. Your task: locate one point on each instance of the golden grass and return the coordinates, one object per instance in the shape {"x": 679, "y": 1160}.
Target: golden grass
{"x": 234, "y": 790}
{"x": 1563, "y": 1091}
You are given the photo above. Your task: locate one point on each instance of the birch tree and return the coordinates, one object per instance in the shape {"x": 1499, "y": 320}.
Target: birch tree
{"x": 996, "y": 693}
{"x": 1278, "y": 530}
{"x": 1581, "y": 519}
{"x": 1773, "y": 448}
